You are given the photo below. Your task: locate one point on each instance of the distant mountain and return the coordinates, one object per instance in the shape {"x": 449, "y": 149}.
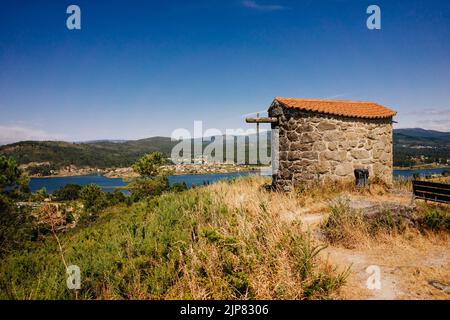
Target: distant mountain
{"x": 423, "y": 134}
{"x": 409, "y": 145}
{"x": 416, "y": 138}
{"x": 104, "y": 140}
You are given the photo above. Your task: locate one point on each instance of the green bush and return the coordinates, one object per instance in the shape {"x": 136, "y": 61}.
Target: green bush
{"x": 152, "y": 181}
{"x": 116, "y": 197}
{"x": 387, "y": 221}
{"x": 13, "y": 180}
{"x": 143, "y": 187}
{"x": 435, "y": 217}
{"x": 94, "y": 199}
{"x": 346, "y": 225}
{"x": 68, "y": 192}
{"x": 150, "y": 164}
{"x": 39, "y": 195}
{"x": 179, "y": 187}
{"x": 15, "y": 227}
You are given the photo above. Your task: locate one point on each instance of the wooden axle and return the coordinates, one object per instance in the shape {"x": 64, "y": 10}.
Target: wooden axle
{"x": 261, "y": 120}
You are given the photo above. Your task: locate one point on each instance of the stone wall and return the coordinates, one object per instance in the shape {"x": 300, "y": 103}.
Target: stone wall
{"x": 315, "y": 146}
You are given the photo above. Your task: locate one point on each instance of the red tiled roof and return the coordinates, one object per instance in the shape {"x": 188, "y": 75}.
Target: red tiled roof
{"x": 345, "y": 108}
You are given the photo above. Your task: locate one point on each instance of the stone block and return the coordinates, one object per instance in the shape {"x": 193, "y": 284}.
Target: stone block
{"x": 326, "y": 125}
{"x": 344, "y": 169}
{"x": 360, "y": 154}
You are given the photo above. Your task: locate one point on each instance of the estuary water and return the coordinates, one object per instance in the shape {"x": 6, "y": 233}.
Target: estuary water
{"x": 52, "y": 184}
{"x": 109, "y": 184}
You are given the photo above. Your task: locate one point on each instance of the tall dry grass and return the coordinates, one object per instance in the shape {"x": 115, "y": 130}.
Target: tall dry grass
{"x": 352, "y": 228}
{"x": 225, "y": 241}
{"x": 249, "y": 244}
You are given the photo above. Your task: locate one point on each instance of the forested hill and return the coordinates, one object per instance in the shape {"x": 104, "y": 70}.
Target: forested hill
{"x": 411, "y": 146}
{"x": 420, "y": 146}
{"x": 100, "y": 154}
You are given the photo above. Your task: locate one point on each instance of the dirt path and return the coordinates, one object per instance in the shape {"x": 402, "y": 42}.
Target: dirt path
{"x": 405, "y": 270}
{"x": 360, "y": 265}
{"x": 406, "y": 265}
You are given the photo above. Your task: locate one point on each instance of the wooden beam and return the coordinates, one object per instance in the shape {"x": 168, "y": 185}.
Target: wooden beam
{"x": 261, "y": 120}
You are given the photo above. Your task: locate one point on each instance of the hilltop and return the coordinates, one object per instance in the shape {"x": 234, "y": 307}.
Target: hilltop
{"x": 236, "y": 240}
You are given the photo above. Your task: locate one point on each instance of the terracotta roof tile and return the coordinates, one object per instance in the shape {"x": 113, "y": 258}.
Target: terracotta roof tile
{"x": 345, "y": 108}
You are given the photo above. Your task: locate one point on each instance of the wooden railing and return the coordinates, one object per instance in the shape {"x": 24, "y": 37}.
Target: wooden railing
{"x": 432, "y": 191}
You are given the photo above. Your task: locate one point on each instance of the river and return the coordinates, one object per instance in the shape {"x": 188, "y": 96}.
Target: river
{"x": 109, "y": 184}
{"x": 52, "y": 184}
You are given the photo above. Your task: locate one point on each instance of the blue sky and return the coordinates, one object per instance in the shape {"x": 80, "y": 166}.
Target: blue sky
{"x": 144, "y": 68}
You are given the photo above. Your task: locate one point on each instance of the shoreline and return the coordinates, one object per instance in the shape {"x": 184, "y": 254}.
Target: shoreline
{"x": 84, "y": 174}
{"x": 108, "y": 174}
{"x": 423, "y": 167}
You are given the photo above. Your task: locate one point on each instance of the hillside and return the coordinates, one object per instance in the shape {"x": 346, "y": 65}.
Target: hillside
{"x": 422, "y": 133}
{"x": 419, "y": 146}
{"x": 98, "y": 154}
{"x": 411, "y": 147}
{"x": 194, "y": 244}
{"x": 235, "y": 240}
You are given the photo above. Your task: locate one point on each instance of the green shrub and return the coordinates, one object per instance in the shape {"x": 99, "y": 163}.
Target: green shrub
{"x": 306, "y": 252}
{"x": 239, "y": 281}
{"x": 39, "y": 195}
{"x": 150, "y": 164}
{"x": 13, "y": 180}
{"x": 116, "y": 197}
{"x": 94, "y": 199}
{"x": 316, "y": 283}
{"x": 15, "y": 227}
{"x": 322, "y": 284}
{"x": 153, "y": 181}
{"x": 435, "y": 217}
{"x": 179, "y": 187}
{"x": 386, "y": 221}
{"x": 347, "y": 226}
{"x": 68, "y": 192}
{"x": 141, "y": 188}
{"x": 342, "y": 223}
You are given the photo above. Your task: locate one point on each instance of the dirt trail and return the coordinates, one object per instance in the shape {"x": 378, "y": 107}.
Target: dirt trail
{"x": 405, "y": 271}
{"x": 356, "y": 286}
{"x": 407, "y": 266}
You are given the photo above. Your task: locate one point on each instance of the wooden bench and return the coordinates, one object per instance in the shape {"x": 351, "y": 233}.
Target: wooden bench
{"x": 432, "y": 191}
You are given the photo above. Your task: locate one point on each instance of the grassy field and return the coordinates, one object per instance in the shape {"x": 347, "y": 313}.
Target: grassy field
{"x": 230, "y": 240}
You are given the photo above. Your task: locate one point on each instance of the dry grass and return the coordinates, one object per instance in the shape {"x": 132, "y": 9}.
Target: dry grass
{"x": 235, "y": 240}
{"x": 409, "y": 257}
{"x": 440, "y": 179}
{"x": 254, "y": 246}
